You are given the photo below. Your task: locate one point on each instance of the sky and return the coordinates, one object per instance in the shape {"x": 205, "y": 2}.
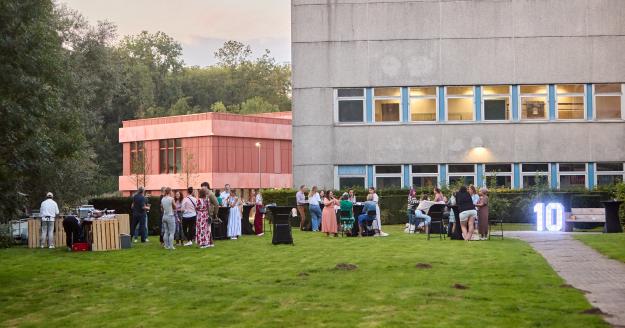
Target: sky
{"x": 201, "y": 26}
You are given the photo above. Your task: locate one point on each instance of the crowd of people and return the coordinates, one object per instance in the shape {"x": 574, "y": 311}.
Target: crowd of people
{"x": 472, "y": 211}
{"x": 326, "y": 220}
{"x": 187, "y": 219}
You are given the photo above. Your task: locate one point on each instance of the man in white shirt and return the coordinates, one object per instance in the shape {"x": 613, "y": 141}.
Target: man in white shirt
{"x": 300, "y": 199}
{"x": 226, "y": 193}
{"x": 49, "y": 211}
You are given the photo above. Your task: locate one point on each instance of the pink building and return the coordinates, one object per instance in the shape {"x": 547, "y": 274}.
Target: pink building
{"x": 220, "y": 148}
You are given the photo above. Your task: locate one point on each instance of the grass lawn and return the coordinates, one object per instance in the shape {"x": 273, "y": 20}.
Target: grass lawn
{"x": 250, "y": 282}
{"x": 611, "y": 245}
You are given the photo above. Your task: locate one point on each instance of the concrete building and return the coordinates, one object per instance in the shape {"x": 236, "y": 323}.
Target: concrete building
{"x": 395, "y": 92}
{"x": 181, "y": 151}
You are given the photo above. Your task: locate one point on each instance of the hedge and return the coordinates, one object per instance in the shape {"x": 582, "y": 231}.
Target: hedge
{"x": 121, "y": 205}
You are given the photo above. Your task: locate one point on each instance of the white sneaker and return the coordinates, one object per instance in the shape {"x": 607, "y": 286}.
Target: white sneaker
{"x": 383, "y": 234}
{"x": 172, "y": 248}
{"x": 189, "y": 243}
{"x": 43, "y": 246}
{"x": 146, "y": 240}
{"x": 260, "y": 234}
{"x": 135, "y": 240}
{"x": 212, "y": 245}
{"x": 205, "y": 246}
{"x": 377, "y": 235}
{"x": 51, "y": 246}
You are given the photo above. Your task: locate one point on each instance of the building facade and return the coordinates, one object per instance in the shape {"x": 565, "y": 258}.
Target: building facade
{"x": 399, "y": 93}
{"x": 245, "y": 151}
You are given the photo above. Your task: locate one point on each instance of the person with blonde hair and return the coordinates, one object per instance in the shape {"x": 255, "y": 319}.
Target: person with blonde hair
{"x": 482, "y": 214}
{"x": 168, "y": 207}
{"x": 314, "y": 201}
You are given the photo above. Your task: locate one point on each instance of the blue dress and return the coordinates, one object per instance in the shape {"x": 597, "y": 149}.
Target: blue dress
{"x": 234, "y": 218}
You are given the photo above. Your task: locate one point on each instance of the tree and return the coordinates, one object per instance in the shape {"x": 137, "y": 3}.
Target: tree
{"x": 139, "y": 168}
{"x": 189, "y": 173}
{"x": 42, "y": 128}
{"x": 257, "y": 105}
{"x": 233, "y": 54}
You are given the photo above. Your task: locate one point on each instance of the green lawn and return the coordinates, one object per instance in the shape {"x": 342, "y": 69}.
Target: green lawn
{"x": 250, "y": 282}
{"x": 610, "y": 244}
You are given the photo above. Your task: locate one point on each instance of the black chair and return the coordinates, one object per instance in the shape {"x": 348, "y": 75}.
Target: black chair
{"x": 436, "y": 212}
{"x": 494, "y": 223}
{"x": 368, "y": 225}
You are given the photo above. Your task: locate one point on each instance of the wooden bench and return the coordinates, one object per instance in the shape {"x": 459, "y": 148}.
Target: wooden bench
{"x": 583, "y": 215}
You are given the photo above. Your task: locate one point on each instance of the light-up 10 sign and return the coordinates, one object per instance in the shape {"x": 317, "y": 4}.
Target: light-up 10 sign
{"x": 544, "y": 216}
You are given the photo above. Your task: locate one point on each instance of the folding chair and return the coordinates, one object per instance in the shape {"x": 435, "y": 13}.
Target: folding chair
{"x": 494, "y": 223}
{"x": 345, "y": 217}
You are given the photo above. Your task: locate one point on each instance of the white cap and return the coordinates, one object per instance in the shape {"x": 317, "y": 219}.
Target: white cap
{"x": 49, "y": 195}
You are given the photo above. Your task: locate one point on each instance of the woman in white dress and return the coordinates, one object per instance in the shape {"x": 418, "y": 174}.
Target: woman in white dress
{"x": 234, "y": 218}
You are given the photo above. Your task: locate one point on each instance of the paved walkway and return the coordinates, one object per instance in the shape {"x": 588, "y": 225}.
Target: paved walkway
{"x": 602, "y": 279}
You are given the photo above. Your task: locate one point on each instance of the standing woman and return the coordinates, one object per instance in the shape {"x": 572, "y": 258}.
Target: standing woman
{"x": 482, "y": 214}
{"x": 378, "y": 216}
{"x": 234, "y": 218}
{"x": 438, "y": 195}
{"x": 168, "y": 208}
{"x": 467, "y": 212}
{"x": 203, "y": 237}
{"x": 178, "y": 236}
{"x": 313, "y": 207}
{"x": 328, "y": 217}
{"x": 258, "y": 216}
{"x": 351, "y": 196}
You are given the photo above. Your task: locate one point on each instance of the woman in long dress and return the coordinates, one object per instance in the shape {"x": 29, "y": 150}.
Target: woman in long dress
{"x": 258, "y": 216}
{"x": 203, "y": 235}
{"x": 482, "y": 214}
{"x": 234, "y": 218}
{"x": 328, "y": 216}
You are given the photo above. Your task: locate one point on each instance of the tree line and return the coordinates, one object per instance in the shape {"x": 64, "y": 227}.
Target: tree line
{"x": 66, "y": 85}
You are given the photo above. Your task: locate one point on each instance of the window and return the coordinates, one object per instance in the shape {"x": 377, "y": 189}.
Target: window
{"x": 608, "y": 101}
{"x": 387, "y": 103}
{"x": 136, "y": 157}
{"x": 570, "y": 101}
{"x": 423, "y": 104}
{"x": 534, "y": 173}
{"x": 498, "y": 174}
{"x": 170, "y": 156}
{"x": 460, "y": 172}
{"x": 571, "y": 175}
{"x": 424, "y": 176}
{"x": 460, "y": 105}
{"x": 609, "y": 173}
{"x": 534, "y": 103}
{"x": 351, "y": 176}
{"x": 388, "y": 176}
{"x": 496, "y": 104}
{"x": 350, "y": 105}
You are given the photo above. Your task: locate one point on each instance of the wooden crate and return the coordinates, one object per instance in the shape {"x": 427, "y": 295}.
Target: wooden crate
{"x": 124, "y": 223}
{"x": 105, "y": 234}
{"x": 34, "y": 233}
{"x": 59, "y": 234}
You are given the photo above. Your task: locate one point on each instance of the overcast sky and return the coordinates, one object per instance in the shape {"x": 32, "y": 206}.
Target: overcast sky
{"x": 201, "y": 26}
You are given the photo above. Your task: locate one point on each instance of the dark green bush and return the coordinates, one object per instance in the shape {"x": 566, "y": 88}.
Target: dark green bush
{"x": 121, "y": 205}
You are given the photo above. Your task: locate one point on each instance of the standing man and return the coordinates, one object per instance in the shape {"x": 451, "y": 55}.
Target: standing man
{"x": 300, "y": 198}
{"x": 139, "y": 214}
{"x": 214, "y": 208}
{"x": 226, "y": 193}
{"x": 49, "y": 211}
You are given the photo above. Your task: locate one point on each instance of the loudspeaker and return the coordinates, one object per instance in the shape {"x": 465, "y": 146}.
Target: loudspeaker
{"x": 282, "y": 234}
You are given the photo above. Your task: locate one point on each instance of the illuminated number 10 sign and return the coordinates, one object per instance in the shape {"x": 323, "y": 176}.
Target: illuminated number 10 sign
{"x": 544, "y": 216}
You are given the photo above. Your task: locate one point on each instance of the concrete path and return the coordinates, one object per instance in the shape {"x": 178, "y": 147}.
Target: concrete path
{"x": 602, "y": 279}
